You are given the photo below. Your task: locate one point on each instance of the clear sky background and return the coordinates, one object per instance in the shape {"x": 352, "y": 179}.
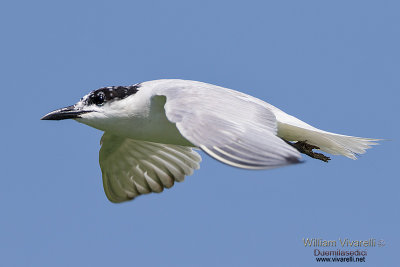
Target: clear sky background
{"x": 333, "y": 64}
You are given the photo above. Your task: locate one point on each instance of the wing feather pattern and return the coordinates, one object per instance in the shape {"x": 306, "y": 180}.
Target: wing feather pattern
{"x": 232, "y": 127}
{"x": 131, "y": 168}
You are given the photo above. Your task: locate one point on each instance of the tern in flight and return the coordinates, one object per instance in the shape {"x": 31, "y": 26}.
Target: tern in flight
{"x": 152, "y": 129}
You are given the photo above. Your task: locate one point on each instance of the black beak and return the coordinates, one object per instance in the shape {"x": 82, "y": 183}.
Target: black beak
{"x": 70, "y": 112}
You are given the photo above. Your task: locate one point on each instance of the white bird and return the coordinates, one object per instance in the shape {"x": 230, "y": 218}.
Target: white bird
{"x": 152, "y": 128}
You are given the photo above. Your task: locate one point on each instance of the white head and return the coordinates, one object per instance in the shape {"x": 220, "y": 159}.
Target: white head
{"x": 100, "y": 108}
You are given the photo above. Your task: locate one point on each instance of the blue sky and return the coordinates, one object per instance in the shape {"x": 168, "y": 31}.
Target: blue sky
{"x": 333, "y": 64}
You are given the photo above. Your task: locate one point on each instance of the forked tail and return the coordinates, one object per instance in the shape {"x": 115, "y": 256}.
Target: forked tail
{"x": 335, "y": 144}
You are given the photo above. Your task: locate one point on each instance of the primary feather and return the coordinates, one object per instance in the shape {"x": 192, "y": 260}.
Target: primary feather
{"x": 229, "y": 126}
{"x": 131, "y": 168}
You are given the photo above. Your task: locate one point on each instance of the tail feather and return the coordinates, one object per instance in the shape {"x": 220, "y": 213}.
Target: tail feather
{"x": 335, "y": 144}
{"x": 349, "y": 146}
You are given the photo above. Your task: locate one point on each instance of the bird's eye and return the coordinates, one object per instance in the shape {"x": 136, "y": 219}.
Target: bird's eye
{"x": 98, "y": 99}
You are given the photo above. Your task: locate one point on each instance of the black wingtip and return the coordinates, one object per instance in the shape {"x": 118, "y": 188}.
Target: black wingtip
{"x": 294, "y": 160}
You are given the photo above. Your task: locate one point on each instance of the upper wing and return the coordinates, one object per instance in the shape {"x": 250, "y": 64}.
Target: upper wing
{"x": 232, "y": 127}
{"x": 131, "y": 168}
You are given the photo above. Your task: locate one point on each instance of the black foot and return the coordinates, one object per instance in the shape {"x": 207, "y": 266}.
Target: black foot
{"x": 305, "y": 148}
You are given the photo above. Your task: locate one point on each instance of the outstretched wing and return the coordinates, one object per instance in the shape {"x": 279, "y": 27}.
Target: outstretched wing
{"x": 232, "y": 127}
{"x": 131, "y": 168}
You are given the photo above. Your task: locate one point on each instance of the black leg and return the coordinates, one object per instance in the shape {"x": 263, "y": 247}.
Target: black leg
{"x": 305, "y": 148}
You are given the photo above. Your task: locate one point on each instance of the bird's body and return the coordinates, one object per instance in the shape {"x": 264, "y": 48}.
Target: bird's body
{"x": 151, "y": 129}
